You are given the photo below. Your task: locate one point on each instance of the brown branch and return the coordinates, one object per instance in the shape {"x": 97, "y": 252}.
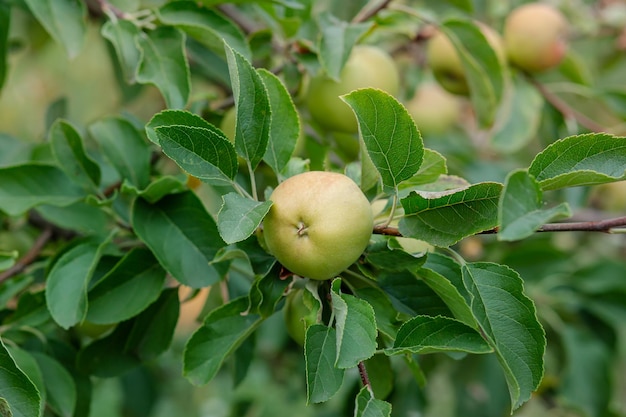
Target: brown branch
{"x": 366, "y": 14}
{"x": 30, "y": 256}
{"x": 565, "y": 109}
{"x": 248, "y": 26}
{"x": 106, "y": 6}
{"x": 364, "y": 378}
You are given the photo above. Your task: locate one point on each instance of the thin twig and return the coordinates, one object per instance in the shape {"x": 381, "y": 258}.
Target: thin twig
{"x": 366, "y": 14}
{"x": 30, "y": 256}
{"x": 364, "y": 378}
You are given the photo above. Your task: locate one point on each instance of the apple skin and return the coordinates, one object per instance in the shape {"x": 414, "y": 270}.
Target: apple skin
{"x": 446, "y": 64}
{"x": 535, "y": 37}
{"x": 298, "y": 316}
{"x": 367, "y": 66}
{"x": 319, "y": 224}
{"x": 433, "y": 109}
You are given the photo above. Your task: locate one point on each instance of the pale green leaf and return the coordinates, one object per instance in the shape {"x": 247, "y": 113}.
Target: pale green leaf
{"x": 323, "y": 379}
{"x": 252, "y": 128}
{"x": 444, "y": 218}
{"x": 592, "y": 158}
{"x": 368, "y": 406}
{"x": 425, "y": 334}
{"x": 508, "y": 320}
{"x": 64, "y": 20}
{"x": 122, "y": 34}
{"x": 7, "y": 259}
{"x": 449, "y": 293}
{"x": 18, "y": 391}
{"x": 433, "y": 166}
{"x": 204, "y": 153}
{"x": 521, "y": 210}
{"x": 240, "y": 216}
{"x": 164, "y": 64}
{"x": 356, "y": 328}
{"x": 182, "y": 235}
{"x": 392, "y": 140}
{"x": 23, "y": 187}
{"x": 222, "y": 331}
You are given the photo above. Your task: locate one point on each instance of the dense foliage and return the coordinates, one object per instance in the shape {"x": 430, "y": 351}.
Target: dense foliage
{"x": 140, "y": 141}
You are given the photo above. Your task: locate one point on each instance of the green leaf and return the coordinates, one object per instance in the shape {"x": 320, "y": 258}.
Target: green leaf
{"x": 508, "y": 320}
{"x": 80, "y": 216}
{"x": 450, "y": 295}
{"x": 447, "y": 217}
{"x": 356, "y": 328}
{"x": 67, "y": 282}
{"x": 386, "y": 315}
{"x": 19, "y": 393}
{"x": 519, "y": 116}
{"x": 7, "y": 259}
{"x": 368, "y": 406}
{"x": 223, "y": 330}
{"x": 204, "y": 153}
{"x": 411, "y": 295}
{"x": 157, "y": 189}
{"x": 68, "y": 150}
{"x": 266, "y": 292}
{"x": 174, "y": 118}
{"x": 206, "y": 26}
{"x": 5, "y": 20}
{"x": 23, "y": 187}
{"x": 483, "y": 68}
{"x": 323, "y": 379}
{"x": 252, "y": 128}
{"x": 592, "y": 158}
{"x": 122, "y": 34}
{"x": 31, "y": 310}
{"x": 124, "y": 147}
{"x": 64, "y": 20}
{"x": 465, "y": 5}
{"x": 285, "y": 127}
{"x": 433, "y": 166}
{"x": 130, "y": 287}
{"x": 163, "y": 64}
{"x": 425, "y": 334}
{"x": 27, "y": 364}
{"x": 521, "y": 211}
{"x": 392, "y": 140}
{"x": 60, "y": 385}
{"x": 14, "y": 151}
{"x": 240, "y": 216}
{"x": 338, "y": 38}
{"x": 182, "y": 236}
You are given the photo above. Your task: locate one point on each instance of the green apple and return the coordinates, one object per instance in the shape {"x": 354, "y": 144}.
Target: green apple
{"x": 446, "y": 64}
{"x": 433, "y": 109}
{"x": 298, "y": 316}
{"x": 610, "y": 196}
{"x": 319, "y": 224}
{"x": 367, "y": 66}
{"x": 535, "y": 37}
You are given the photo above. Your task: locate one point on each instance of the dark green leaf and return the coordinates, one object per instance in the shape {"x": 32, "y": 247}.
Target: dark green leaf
{"x": 252, "y": 128}
{"x": 23, "y": 187}
{"x": 80, "y": 216}
{"x": 31, "y": 310}
{"x": 587, "y": 159}
{"x": 67, "y": 282}
{"x": 163, "y": 64}
{"x": 392, "y": 140}
{"x": 508, "y": 320}
{"x": 465, "y": 5}
{"x": 175, "y": 118}
{"x": 368, "y": 406}
{"x": 122, "y": 34}
{"x": 384, "y": 311}
{"x": 240, "y": 216}
{"x": 323, "y": 380}
{"x": 450, "y": 295}
{"x": 68, "y": 150}
{"x": 425, "y": 334}
{"x": 410, "y": 295}
{"x": 60, "y": 386}
{"x": 132, "y": 285}
{"x": 7, "y": 259}
{"x": 206, "y": 26}
{"x": 191, "y": 242}
{"x": 222, "y": 332}
{"x": 204, "y": 153}
{"x": 157, "y": 189}
{"x": 14, "y": 151}
{"x": 64, "y": 20}
{"x": 16, "y": 388}
{"x": 285, "y": 126}
{"x": 381, "y": 375}
{"x": 444, "y": 218}
{"x": 521, "y": 210}
{"x": 356, "y": 328}
{"x": 5, "y": 20}
{"x": 266, "y": 292}
{"x": 124, "y": 147}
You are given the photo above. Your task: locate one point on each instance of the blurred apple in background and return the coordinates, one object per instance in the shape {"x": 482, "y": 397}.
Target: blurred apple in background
{"x": 433, "y": 109}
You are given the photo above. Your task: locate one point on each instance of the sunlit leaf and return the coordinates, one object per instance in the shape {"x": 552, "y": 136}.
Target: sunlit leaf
{"x": 240, "y": 216}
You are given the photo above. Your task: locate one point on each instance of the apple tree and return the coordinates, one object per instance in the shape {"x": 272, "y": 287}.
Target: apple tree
{"x": 295, "y": 207}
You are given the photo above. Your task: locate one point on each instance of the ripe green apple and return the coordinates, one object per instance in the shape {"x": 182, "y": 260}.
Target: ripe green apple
{"x": 535, "y": 37}
{"x": 319, "y": 224}
{"x": 433, "y": 109}
{"x": 367, "y": 66}
{"x": 446, "y": 64}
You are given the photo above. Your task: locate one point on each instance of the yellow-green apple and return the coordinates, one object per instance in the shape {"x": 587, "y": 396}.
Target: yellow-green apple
{"x": 298, "y": 315}
{"x": 318, "y": 225}
{"x": 367, "y": 66}
{"x": 535, "y": 37}
{"x": 433, "y": 109}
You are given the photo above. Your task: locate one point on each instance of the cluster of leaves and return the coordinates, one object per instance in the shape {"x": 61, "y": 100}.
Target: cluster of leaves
{"x": 123, "y": 230}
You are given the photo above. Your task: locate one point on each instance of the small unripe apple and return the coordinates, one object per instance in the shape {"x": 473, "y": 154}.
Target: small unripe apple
{"x": 433, "y": 109}
{"x": 367, "y": 66}
{"x": 610, "y": 196}
{"x": 446, "y": 63}
{"x": 319, "y": 224}
{"x": 535, "y": 36}
{"x": 298, "y": 316}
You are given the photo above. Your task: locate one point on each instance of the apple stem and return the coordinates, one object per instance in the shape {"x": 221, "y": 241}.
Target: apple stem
{"x": 252, "y": 181}
{"x": 302, "y": 228}
{"x": 392, "y": 214}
